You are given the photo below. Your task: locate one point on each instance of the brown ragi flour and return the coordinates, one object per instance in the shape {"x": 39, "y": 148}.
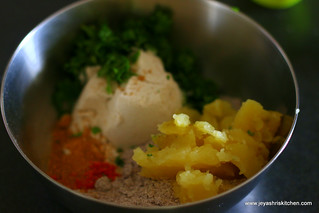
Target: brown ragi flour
{"x": 131, "y": 189}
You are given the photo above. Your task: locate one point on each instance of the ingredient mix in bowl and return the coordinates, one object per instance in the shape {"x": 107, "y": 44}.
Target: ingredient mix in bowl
{"x": 139, "y": 125}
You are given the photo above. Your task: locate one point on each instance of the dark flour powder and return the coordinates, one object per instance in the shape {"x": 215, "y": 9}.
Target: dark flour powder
{"x": 131, "y": 189}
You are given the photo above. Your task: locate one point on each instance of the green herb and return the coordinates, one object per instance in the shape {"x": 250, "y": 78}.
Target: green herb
{"x": 115, "y": 69}
{"x": 77, "y": 134}
{"x": 65, "y": 95}
{"x": 198, "y": 90}
{"x": 149, "y": 155}
{"x": 153, "y": 137}
{"x": 250, "y": 133}
{"x": 119, "y": 150}
{"x": 236, "y": 9}
{"x": 116, "y": 49}
{"x": 119, "y": 161}
{"x": 95, "y": 130}
{"x": 134, "y": 56}
{"x": 133, "y": 147}
{"x": 150, "y": 145}
{"x": 168, "y": 77}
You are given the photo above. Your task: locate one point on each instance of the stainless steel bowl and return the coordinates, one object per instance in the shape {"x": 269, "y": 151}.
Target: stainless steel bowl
{"x": 241, "y": 57}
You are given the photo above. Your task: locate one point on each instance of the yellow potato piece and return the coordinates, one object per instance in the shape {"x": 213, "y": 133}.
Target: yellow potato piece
{"x": 248, "y": 155}
{"x": 193, "y": 185}
{"x": 259, "y": 123}
{"x": 223, "y": 145}
{"x": 193, "y": 114}
{"x": 170, "y": 128}
{"x": 164, "y": 164}
{"x": 181, "y": 120}
{"x": 216, "y": 111}
{"x": 202, "y": 157}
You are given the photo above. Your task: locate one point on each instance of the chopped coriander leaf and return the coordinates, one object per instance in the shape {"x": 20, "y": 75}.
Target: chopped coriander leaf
{"x": 96, "y": 130}
{"x": 198, "y": 90}
{"x": 119, "y": 150}
{"x": 115, "y": 49}
{"x": 77, "y": 134}
{"x": 119, "y": 161}
{"x": 250, "y": 133}
{"x": 115, "y": 69}
{"x": 133, "y": 147}
{"x": 236, "y": 9}
{"x": 150, "y": 145}
{"x": 154, "y": 136}
{"x": 134, "y": 56}
{"x": 160, "y": 21}
{"x": 105, "y": 33}
{"x": 168, "y": 77}
{"x": 149, "y": 155}
{"x": 66, "y": 92}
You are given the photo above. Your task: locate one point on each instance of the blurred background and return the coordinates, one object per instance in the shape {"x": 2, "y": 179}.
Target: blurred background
{"x": 293, "y": 177}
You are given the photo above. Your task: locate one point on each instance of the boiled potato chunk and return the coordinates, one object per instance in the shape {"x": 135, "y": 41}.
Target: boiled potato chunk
{"x": 202, "y": 157}
{"x": 178, "y": 152}
{"x": 248, "y": 154}
{"x": 259, "y": 123}
{"x": 226, "y": 171}
{"x": 223, "y": 145}
{"x": 170, "y": 128}
{"x": 164, "y": 164}
{"x": 216, "y": 112}
{"x": 193, "y": 114}
{"x": 193, "y": 185}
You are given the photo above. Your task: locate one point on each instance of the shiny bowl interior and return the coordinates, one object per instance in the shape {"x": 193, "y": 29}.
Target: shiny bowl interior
{"x": 241, "y": 57}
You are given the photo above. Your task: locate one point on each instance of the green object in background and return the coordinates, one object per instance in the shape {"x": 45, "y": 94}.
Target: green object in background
{"x": 277, "y": 4}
